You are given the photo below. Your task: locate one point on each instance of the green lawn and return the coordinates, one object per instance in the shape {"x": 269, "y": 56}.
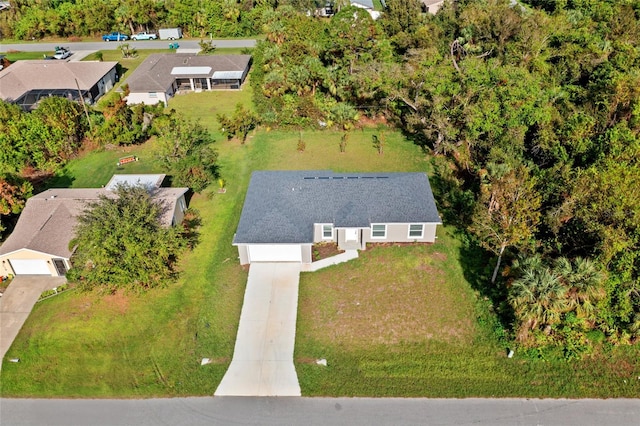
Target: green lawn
{"x": 402, "y": 320}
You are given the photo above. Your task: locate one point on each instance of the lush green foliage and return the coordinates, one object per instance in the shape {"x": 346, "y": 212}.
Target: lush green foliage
{"x": 29, "y": 19}
{"x": 186, "y": 149}
{"x": 14, "y": 192}
{"x": 239, "y": 124}
{"x": 121, "y": 242}
{"x": 43, "y": 139}
{"x": 120, "y": 124}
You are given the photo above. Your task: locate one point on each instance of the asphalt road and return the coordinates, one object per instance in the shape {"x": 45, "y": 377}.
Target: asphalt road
{"x": 113, "y": 45}
{"x": 319, "y": 411}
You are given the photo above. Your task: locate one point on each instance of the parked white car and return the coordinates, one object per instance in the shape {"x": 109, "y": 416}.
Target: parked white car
{"x": 144, "y": 36}
{"x": 62, "y": 53}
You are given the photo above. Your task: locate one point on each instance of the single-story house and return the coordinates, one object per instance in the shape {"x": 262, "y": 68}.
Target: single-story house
{"x": 160, "y": 76}
{"x": 26, "y": 82}
{"x": 39, "y": 244}
{"x": 286, "y": 212}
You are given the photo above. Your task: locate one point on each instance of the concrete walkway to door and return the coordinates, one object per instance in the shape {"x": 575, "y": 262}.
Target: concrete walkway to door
{"x": 262, "y": 363}
{"x": 17, "y": 302}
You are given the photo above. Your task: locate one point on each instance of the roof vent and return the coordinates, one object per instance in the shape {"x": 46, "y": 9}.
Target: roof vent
{"x": 53, "y": 196}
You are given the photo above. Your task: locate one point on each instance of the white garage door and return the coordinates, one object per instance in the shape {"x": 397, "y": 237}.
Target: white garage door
{"x": 275, "y": 253}
{"x": 30, "y": 267}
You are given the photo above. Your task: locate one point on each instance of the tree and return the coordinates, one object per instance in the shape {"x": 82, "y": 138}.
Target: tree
{"x": 121, "y": 243}
{"x": 66, "y": 116}
{"x": 537, "y": 298}
{"x": 185, "y": 148}
{"x": 121, "y": 124}
{"x": 14, "y": 192}
{"x": 507, "y": 212}
{"x": 239, "y": 124}
{"x": 584, "y": 282}
{"x": 560, "y": 296}
{"x": 379, "y": 142}
{"x": 206, "y": 47}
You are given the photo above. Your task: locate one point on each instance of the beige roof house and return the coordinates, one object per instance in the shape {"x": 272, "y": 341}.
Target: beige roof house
{"x": 26, "y": 82}
{"x": 39, "y": 244}
{"x": 160, "y": 76}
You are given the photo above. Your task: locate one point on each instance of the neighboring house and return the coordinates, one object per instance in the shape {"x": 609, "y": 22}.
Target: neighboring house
{"x": 26, "y": 82}
{"x": 160, "y": 76}
{"x": 39, "y": 244}
{"x": 431, "y": 6}
{"x": 366, "y": 5}
{"x": 286, "y": 212}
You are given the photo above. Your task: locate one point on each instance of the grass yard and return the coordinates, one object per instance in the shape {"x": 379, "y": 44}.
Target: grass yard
{"x": 402, "y": 320}
{"x": 22, "y": 56}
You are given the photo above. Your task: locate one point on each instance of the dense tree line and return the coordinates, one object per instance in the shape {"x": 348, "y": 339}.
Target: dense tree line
{"x": 533, "y": 114}
{"x": 28, "y": 19}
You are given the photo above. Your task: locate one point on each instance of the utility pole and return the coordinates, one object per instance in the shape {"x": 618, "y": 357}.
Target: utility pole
{"x": 84, "y": 106}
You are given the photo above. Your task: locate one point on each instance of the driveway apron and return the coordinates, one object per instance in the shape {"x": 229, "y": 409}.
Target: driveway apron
{"x": 17, "y": 302}
{"x": 262, "y": 363}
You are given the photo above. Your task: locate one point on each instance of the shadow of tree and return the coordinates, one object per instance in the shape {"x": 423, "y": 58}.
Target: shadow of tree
{"x": 456, "y": 204}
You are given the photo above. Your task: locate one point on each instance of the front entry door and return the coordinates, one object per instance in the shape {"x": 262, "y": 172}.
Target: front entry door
{"x": 351, "y": 234}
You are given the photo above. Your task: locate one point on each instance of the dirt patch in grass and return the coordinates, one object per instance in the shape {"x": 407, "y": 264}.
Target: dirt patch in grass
{"x": 118, "y": 302}
{"x": 393, "y": 294}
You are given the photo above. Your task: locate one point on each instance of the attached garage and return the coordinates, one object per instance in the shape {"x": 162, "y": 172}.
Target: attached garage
{"x": 30, "y": 267}
{"x": 275, "y": 253}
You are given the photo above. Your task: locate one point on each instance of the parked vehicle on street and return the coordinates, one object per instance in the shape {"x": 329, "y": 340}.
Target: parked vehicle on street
{"x": 144, "y": 36}
{"x": 170, "y": 33}
{"x": 62, "y": 53}
{"x": 115, "y": 36}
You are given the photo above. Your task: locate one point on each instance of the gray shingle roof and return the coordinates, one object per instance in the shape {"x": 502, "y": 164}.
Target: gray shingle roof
{"x": 48, "y": 220}
{"x": 154, "y": 74}
{"x": 282, "y": 206}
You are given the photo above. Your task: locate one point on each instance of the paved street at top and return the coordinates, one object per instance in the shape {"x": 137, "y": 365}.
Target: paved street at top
{"x": 113, "y": 45}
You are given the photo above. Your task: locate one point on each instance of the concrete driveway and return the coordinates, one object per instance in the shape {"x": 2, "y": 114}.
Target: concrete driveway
{"x": 262, "y": 363}
{"x": 17, "y": 302}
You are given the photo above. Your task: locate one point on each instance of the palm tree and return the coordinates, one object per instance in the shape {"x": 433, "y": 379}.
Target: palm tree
{"x": 584, "y": 282}
{"x": 537, "y": 297}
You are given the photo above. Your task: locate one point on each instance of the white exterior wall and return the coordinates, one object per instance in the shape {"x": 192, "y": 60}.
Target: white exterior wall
{"x": 243, "y": 253}
{"x": 5, "y": 265}
{"x": 178, "y": 212}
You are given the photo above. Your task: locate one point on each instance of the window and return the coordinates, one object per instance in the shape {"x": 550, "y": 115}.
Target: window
{"x": 416, "y": 230}
{"x": 327, "y": 232}
{"x": 153, "y": 94}
{"x": 378, "y": 231}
